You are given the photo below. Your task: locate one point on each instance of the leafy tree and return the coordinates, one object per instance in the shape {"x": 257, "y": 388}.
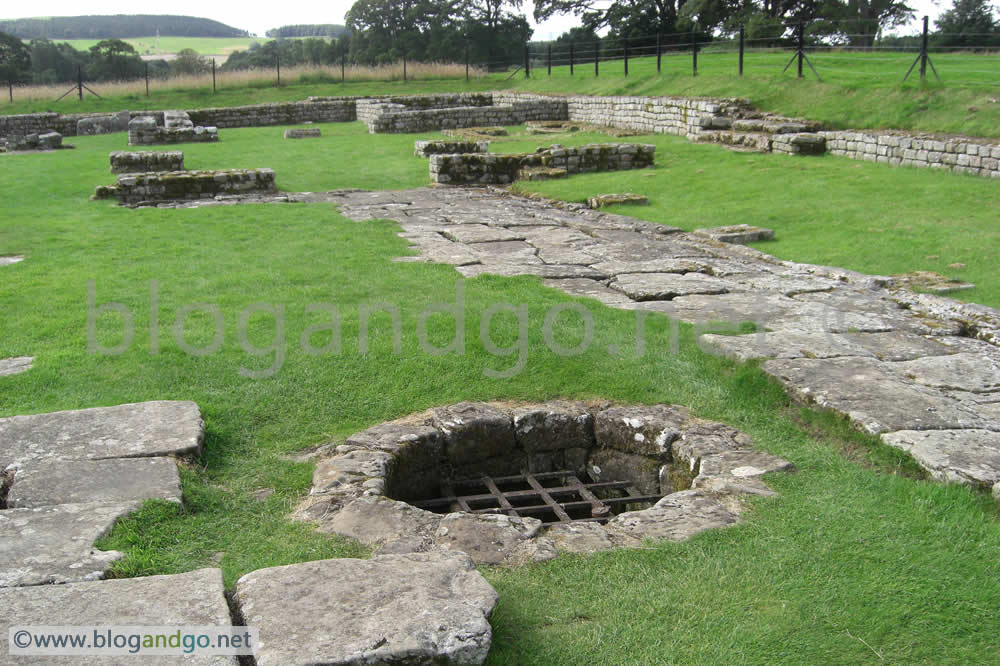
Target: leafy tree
{"x": 189, "y": 61}
{"x": 114, "y": 59}
{"x": 53, "y": 63}
{"x": 858, "y": 22}
{"x": 623, "y": 16}
{"x": 15, "y": 58}
{"x": 968, "y": 23}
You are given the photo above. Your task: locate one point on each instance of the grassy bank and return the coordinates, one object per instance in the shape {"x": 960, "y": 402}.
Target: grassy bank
{"x": 858, "y": 90}
{"x": 858, "y": 559}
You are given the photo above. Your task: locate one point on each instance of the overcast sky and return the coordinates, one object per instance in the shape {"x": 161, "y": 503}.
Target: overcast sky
{"x": 258, "y": 18}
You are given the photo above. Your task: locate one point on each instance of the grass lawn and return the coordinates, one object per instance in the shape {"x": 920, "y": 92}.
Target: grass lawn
{"x": 858, "y": 559}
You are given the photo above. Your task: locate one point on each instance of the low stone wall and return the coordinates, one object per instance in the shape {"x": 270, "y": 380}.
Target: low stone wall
{"x": 187, "y": 185}
{"x": 485, "y": 169}
{"x": 955, "y": 154}
{"x": 141, "y": 162}
{"x": 145, "y": 132}
{"x": 393, "y": 119}
{"x": 798, "y": 144}
{"x": 368, "y": 109}
{"x": 317, "y": 110}
{"x": 92, "y": 125}
{"x": 428, "y": 148}
{"x": 310, "y": 133}
{"x": 46, "y": 141}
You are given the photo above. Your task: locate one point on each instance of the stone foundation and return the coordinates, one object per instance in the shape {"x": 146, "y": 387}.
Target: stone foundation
{"x": 187, "y": 185}
{"x": 140, "y": 162}
{"x": 428, "y": 148}
{"x": 103, "y": 124}
{"x": 46, "y": 141}
{"x": 311, "y": 133}
{"x": 144, "y": 131}
{"x": 962, "y": 155}
{"x": 483, "y": 169}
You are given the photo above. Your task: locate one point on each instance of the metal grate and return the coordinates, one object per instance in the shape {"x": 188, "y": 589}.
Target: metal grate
{"x": 552, "y": 497}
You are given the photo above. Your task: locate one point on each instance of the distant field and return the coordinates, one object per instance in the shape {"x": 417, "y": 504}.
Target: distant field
{"x": 167, "y": 45}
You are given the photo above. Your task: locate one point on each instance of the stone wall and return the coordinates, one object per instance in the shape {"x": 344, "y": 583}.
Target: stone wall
{"x": 187, "y": 185}
{"x": 486, "y": 169}
{"x": 144, "y": 131}
{"x": 140, "y": 162}
{"x": 368, "y": 109}
{"x": 92, "y": 125}
{"x": 955, "y": 154}
{"x": 396, "y": 118}
{"x": 317, "y": 110}
{"x": 428, "y": 148}
{"x": 46, "y": 141}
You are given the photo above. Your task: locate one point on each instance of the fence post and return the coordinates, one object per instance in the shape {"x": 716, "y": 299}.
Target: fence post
{"x": 527, "y": 61}
{"x": 571, "y": 59}
{"x": 277, "y": 66}
{"x": 213, "y": 75}
{"x": 659, "y": 51}
{"x": 466, "y": 61}
{"x": 550, "y": 59}
{"x": 923, "y": 52}
{"x": 404, "y": 67}
{"x": 10, "y": 89}
{"x": 147, "y": 79}
{"x": 597, "y": 58}
{"x": 343, "y": 67}
{"x": 741, "y": 50}
{"x": 79, "y": 81}
{"x": 625, "y": 54}
{"x": 802, "y": 31}
{"x": 694, "y": 54}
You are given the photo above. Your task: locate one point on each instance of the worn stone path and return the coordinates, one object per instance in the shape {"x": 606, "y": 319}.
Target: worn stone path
{"x": 921, "y": 371}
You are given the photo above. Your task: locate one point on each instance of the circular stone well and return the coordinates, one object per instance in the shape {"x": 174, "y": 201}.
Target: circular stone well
{"x": 688, "y": 472}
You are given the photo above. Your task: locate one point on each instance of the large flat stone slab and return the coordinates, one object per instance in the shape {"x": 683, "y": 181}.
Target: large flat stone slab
{"x": 676, "y": 517}
{"x": 142, "y": 429}
{"x": 960, "y": 456}
{"x": 47, "y": 481}
{"x": 667, "y": 286}
{"x": 796, "y": 343}
{"x": 871, "y": 394}
{"x": 191, "y": 599}
{"x": 975, "y": 373}
{"x": 417, "y": 608}
{"x": 480, "y": 233}
{"x": 8, "y": 260}
{"x": 55, "y": 544}
{"x": 15, "y": 365}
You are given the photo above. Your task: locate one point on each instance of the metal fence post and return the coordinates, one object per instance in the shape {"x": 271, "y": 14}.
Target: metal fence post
{"x": 10, "y": 89}
{"x": 466, "y": 60}
{"x": 147, "y": 79}
{"x": 277, "y": 66}
{"x": 404, "y": 67}
{"x": 213, "y": 75}
{"x": 659, "y": 51}
{"x": 550, "y": 59}
{"x": 343, "y": 67}
{"x": 79, "y": 81}
{"x": 694, "y": 54}
{"x": 741, "y": 50}
{"x": 527, "y": 61}
{"x": 597, "y": 58}
{"x": 571, "y": 58}
{"x": 923, "y": 52}
{"x": 802, "y": 32}
{"x": 625, "y": 54}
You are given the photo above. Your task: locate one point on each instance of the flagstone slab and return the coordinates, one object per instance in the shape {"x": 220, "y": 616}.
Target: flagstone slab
{"x": 55, "y": 544}
{"x": 158, "y": 428}
{"x": 959, "y": 456}
{"x": 414, "y": 608}
{"x": 190, "y": 599}
{"x": 46, "y": 481}
{"x": 15, "y": 365}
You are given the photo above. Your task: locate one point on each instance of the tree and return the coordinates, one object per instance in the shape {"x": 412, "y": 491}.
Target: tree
{"x": 188, "y": 61}
{"x": 858, "y": 22}
{"x": 15, "y": 58}
{"x": 968, "y": 23}
{"x": 650, "y": 15}
{"x": 114, "y": 59}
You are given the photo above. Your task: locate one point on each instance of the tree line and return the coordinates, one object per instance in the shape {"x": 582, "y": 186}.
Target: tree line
{"x": 117, "y": 27}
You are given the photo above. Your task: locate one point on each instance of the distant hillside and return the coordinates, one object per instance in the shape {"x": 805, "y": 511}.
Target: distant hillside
{"x": 314, "y": 30}
{"x": 119, "y": 26}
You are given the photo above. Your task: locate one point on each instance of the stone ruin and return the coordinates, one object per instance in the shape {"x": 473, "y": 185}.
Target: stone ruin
{"x": 310, "y": 133}
{"x": 142, "y": 188}
{"x": 176, "y": 128}
{"x": 141, "y": 162}
{"x": 508, "y": 484}
{"x": 428, "y": 148}
{"x": 33, "y": 142}
{"x": 95, "y": 125}
{"x": 490, "y": 169}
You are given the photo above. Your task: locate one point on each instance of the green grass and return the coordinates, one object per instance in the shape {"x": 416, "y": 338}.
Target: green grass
{"x": 858, "y": 90}
{"x": 169, "y": 45}
{"x": 858, "y": 555}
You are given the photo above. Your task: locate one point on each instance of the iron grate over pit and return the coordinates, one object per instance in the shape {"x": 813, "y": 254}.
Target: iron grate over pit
{"x": 552, "y": 497}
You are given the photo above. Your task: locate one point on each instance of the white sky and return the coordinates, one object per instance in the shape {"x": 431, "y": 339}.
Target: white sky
{"x": 258, "y": 18}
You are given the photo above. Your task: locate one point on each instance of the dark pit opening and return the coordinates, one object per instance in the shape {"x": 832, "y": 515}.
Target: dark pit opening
{"x": 560, "y": 496}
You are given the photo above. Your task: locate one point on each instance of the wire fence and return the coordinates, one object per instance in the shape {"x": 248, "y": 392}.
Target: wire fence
{"x": 842, "y": 52}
